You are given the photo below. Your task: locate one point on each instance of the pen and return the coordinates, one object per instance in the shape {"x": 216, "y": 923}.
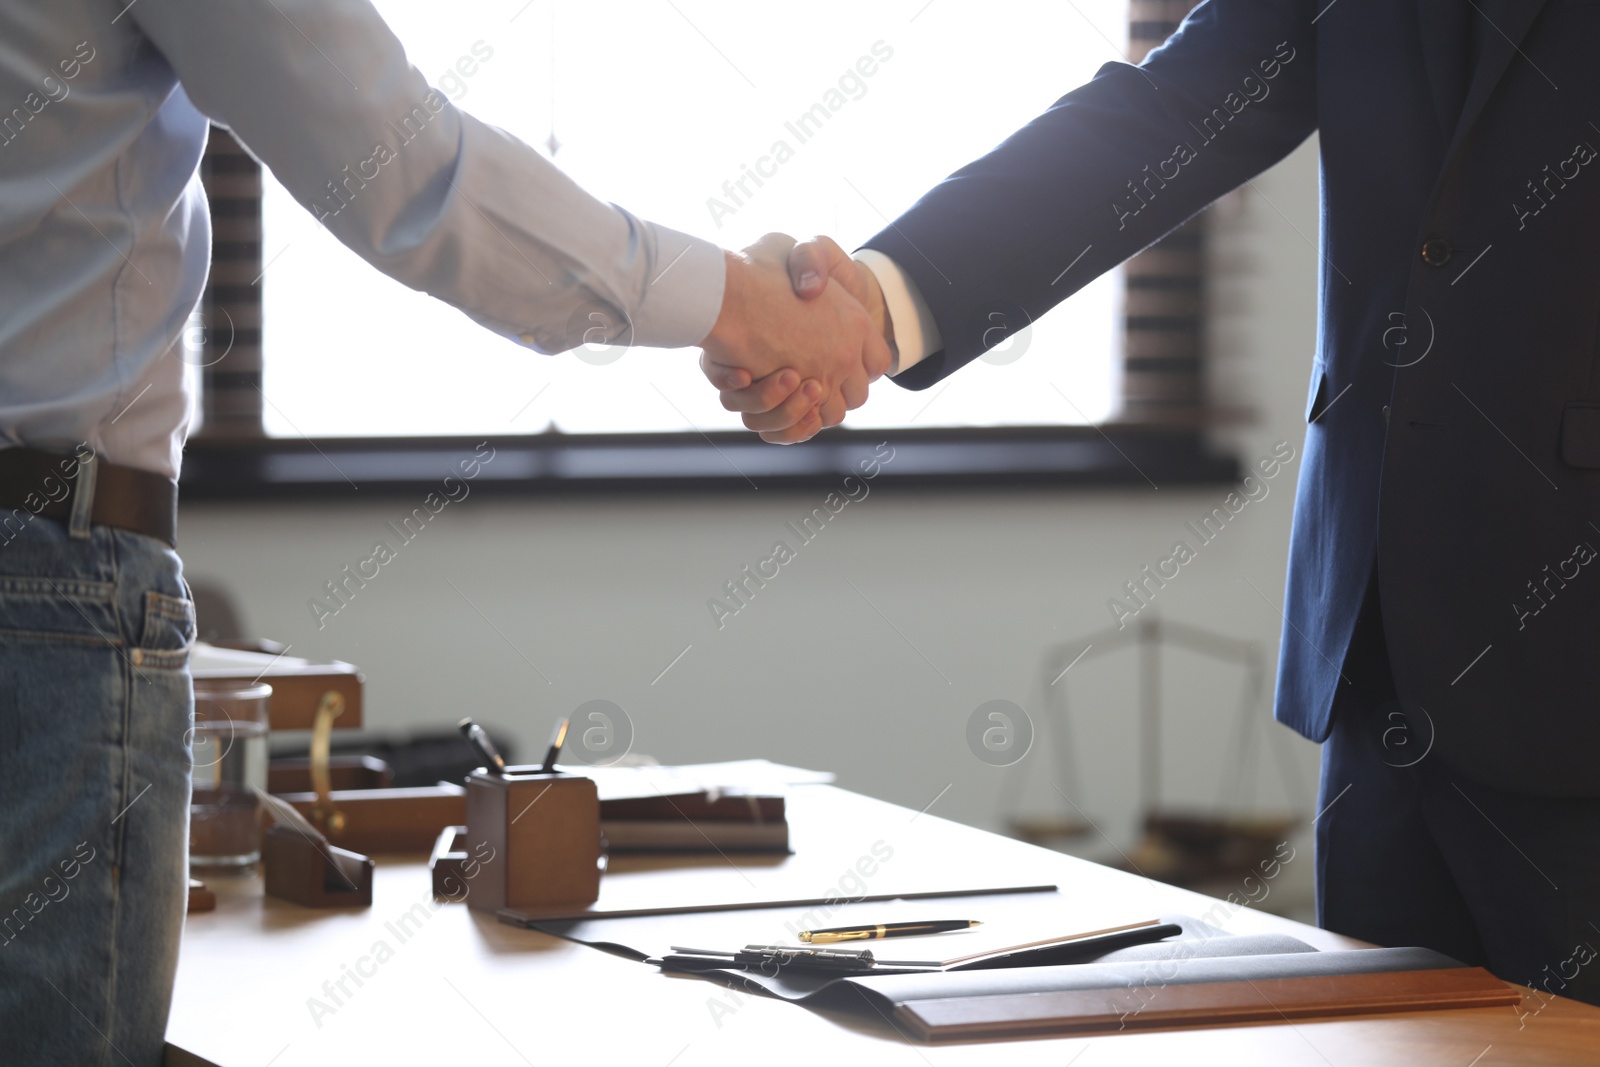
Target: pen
{"x": 480, "y": 741}
{"x": 557, "y": 739}
{"x": 872, "y": 933}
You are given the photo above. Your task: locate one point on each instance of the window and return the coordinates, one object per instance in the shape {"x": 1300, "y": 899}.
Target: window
{"x": 665, "y": 107}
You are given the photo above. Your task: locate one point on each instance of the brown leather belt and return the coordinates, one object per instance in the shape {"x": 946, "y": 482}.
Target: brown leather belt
{"x": 46, "y": 484}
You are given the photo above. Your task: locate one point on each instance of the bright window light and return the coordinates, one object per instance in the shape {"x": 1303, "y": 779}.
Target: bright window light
{"x": 654, "y": 105}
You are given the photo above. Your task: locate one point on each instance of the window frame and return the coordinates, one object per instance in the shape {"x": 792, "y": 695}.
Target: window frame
{"x": 554, "y": 464}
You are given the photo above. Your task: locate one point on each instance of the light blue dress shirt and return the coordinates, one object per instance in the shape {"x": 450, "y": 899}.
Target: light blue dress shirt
{"x": 105, "y": 238}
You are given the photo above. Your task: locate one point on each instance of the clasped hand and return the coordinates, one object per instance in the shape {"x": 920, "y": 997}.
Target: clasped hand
{"x": 802, "y": 333}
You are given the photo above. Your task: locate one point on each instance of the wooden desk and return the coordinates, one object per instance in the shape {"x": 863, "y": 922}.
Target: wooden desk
{"x": 458, "y": 987}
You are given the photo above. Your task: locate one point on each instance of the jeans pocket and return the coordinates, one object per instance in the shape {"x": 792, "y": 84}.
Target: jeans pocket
{"x": 169, "y": 631}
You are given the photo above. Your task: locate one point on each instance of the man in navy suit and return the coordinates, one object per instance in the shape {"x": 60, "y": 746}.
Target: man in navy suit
{"x": 1443, "y": 604}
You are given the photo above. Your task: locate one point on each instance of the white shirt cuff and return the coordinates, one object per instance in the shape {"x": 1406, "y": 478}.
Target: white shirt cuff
{"x": 683, "y": 290}
{"x": 916, "y": 335}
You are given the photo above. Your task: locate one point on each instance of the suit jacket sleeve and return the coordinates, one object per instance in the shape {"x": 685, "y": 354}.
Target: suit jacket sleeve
{"x": 1106, "y": 171}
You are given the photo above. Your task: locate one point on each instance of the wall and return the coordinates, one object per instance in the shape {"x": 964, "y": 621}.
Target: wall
{"x": 870, "y": 651}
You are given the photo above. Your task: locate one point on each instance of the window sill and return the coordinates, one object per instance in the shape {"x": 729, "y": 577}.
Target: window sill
{"x": 546, "y": 464}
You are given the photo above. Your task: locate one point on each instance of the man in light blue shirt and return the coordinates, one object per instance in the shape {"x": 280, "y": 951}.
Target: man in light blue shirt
{"x": 104, "y": 241}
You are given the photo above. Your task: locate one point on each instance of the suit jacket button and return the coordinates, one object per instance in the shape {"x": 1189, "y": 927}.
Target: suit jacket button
{"x": 1386, "y": 414}
{"x": 1436, "y": 252}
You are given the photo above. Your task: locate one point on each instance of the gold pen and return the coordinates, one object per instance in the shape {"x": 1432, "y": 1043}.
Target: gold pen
{"x": 881, "y": 930}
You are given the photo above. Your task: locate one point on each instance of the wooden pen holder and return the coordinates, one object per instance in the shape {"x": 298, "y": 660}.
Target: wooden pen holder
{"x": 537, "y": 836}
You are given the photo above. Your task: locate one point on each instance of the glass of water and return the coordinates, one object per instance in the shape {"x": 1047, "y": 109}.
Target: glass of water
{"x": 230, "y": 756}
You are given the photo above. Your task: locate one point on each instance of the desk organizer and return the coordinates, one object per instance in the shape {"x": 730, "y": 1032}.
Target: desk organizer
{"x": 450, "y": 866}
{"x": 313, "y": 873}
{"x": 542, "y": 831}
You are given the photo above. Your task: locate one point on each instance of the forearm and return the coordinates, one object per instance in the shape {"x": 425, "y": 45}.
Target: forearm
{"x": 1103, "y": 173}
{"x": 423, "y": 191}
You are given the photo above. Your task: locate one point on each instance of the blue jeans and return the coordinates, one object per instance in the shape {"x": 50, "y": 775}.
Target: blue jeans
{"x": 95, "y": 709}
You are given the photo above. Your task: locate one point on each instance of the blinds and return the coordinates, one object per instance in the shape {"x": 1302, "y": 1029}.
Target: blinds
{"x": 1163, "y": 358}
{"x": 229, "y": 316}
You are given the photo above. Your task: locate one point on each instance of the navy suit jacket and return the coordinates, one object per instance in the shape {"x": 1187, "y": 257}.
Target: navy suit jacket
{"x": 1453, "y": 437}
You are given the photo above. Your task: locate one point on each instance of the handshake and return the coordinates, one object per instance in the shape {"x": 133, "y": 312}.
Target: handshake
{"x": 802, "y": 333}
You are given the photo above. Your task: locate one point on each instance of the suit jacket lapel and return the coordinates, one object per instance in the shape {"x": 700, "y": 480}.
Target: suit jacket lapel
{"x": 1501, "y": 26}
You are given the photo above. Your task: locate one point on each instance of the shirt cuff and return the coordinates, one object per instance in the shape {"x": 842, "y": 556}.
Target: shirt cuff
{"x": 683, "y": 291}
{"x": 916, "y": 335}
